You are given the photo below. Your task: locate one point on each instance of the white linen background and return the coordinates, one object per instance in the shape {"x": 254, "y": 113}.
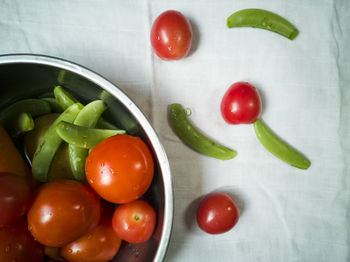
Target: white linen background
{"x": 286, "y": 214}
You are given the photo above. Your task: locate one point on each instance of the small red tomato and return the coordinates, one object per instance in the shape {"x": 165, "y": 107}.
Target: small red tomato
{"x": 15, "y": 195}
{"x": 62, "y": 211}
{"x": 17, "y": 244}
{"x": 134, "y": 222}
{"x": 241, "y": 104}
{"x": 171, "y": 35}
{"x": 217, "y": 213}
{"x": 120, "y": 169}
{"x": 100, "y": 244}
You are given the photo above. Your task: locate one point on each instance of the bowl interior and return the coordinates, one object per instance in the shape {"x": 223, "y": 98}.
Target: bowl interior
{"x": 35, "y": 80}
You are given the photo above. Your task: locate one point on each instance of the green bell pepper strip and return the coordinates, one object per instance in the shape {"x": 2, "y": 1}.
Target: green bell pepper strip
{"x": 191, "y": 136}
{"x": 55, "y": 106}
{"x": 34, "y": 107}
{"x": 84, "y": 137}
{"x": 65, "y": 99}
{"x": 50, "y": 143}
{"x": 87, "y": 117}
{"x": 278, "y": 147}
{"x": 262, "y": 19}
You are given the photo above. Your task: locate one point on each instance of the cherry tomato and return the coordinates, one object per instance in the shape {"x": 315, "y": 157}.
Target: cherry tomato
{"x": 241, "y": 104}
{"x": 15, "y": 195}
{"x": 134, "y": 222}
{"x": 17, "y": 244}
{"x": 171, "y": 35}
{"x": 120, "y": 169}
{"x": 217, "y": 213}
{"x": 62, "y": 211}
{"x": 99, "y": 245}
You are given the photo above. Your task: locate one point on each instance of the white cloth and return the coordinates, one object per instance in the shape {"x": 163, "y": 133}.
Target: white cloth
{"x": 286, "y": 214}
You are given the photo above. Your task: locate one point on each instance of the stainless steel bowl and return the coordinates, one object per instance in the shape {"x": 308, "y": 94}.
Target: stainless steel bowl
{"x": 23, "y": 76}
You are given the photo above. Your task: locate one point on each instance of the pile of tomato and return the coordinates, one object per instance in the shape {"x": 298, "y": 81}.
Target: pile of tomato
{"x": 76, "y": 221}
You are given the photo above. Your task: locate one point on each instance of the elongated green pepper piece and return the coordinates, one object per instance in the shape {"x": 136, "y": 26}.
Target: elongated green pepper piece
{"x": 34, "y": 107}
{"x": 194, "y": 138}
{"x": 65, "y": 99}
{"x": 278, "y": 147}
{"x": 87, "y": 117}
{"x": 84, "y": 137}
{"x": 49, "y": 144}
{"x": 262, "y": 19}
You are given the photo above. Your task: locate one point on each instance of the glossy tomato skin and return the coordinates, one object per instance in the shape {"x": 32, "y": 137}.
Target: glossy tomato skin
{"x": 98, "y": 245}
{"x": 17, "y": 244}
{"x": 120, "y": 169}
{"x": 134, "y": 222}
{"x": 15, "y": 195}
{"x": 171, "y": 35}
{"x": 217, "y": 213}
{"x": 62, "y": 211}
{"x": 241, "y": 104}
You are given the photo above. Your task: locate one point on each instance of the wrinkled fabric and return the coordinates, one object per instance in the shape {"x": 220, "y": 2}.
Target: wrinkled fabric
{"x": 286, "y": 214}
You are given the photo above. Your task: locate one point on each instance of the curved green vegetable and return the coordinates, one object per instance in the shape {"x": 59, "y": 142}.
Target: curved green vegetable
{"x": 34, "y": 107}
{"x": 84, "y": 137}
{"x": 262, "y": 19}
{"x": 87, "y": 117}
{"x": 55, "y": 106}
{"x": 50, "y": 143}
{"x": 278, "y": 147}
{"x": 66, "y": 99}
{"x": 104, "y": 124}
{"x": 194, "y": 138}
{"x": 23, "y": 123}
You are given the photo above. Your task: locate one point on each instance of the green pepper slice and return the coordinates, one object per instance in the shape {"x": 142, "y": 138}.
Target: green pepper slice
{"x": 278, "y": 147}
{"x": 194, "y": 138}
{"x": 262, "y": 19}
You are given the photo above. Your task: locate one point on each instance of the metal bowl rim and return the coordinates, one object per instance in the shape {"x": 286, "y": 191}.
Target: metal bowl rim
{"x": 124, "y": 99}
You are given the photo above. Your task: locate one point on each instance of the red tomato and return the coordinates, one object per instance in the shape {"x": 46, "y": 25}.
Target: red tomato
{"x": 171, "y": 35}
{"x": 217, "y": 213}
{"x": 99, "y": 245}
{"x": 134, "y": 222}
{"x": 14, "y": 198}
{"x": 62, "y": 211}
{"x": 241, "y": 104}
{"x": 17, "y": 244}
{"x": 120, "y": 169}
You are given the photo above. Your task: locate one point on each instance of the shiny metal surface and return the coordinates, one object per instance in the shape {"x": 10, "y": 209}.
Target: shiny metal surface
{"x": 24, "y": 76}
